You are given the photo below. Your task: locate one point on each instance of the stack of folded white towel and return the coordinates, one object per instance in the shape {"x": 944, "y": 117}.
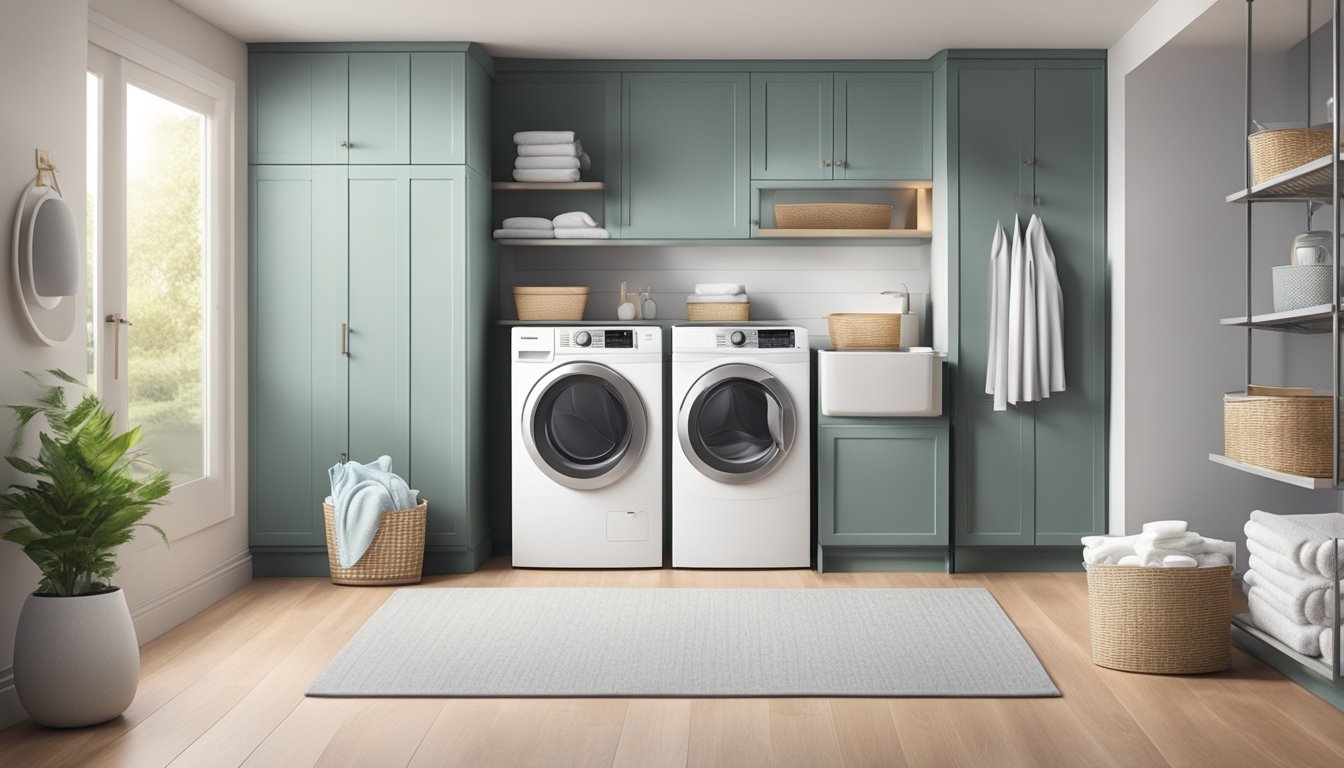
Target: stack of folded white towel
{"x": 1291, "y": 578}
{"x": 555, "y": 157}
{"x": 1163, "y": 544}
{"x": 711, "y": 293}
{"x": 575, "y": 225}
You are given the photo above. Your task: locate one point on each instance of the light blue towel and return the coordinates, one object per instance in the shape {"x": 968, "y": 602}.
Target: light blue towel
{"x": 361, "y": 493}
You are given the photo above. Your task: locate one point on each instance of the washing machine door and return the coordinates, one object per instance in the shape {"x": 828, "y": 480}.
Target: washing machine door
{"x": 584, "y": 425}
{"x": 737, "y": 423}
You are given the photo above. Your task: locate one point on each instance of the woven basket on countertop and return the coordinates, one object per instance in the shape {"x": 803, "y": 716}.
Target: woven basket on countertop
{"x": 720, "y": 311}
{"x": 565, "y": 302}
{"x": 1285, "y": 434}
{"x": 864, "y": 330}
{"x": 832, "y": 216}
{"x": 1280, "y": 150}
{"x": 1166, "y": 621}
{"x": 396, "y": 555}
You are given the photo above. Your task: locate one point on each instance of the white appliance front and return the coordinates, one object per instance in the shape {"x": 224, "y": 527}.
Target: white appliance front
{"x": 587, "y": 458}
{"x": 741, "y": 457}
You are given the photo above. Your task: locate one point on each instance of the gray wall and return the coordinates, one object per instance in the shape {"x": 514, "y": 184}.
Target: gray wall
{"x": 799, "y": 284}
{"x": 1185, "y": 270}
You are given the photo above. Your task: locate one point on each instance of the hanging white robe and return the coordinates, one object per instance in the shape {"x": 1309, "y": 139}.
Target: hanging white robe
{"x": 1049, "y": 310}
{"x": 996, "y": 367}
{"x": 1020, "y": 306}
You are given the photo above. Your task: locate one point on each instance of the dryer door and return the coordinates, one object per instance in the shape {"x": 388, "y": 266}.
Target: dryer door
{"x": 584, "y": 425}
{"x": 737, "y": 423}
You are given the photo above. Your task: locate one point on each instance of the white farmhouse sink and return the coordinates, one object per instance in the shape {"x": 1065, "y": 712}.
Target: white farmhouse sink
{"x": 880, "y": 382}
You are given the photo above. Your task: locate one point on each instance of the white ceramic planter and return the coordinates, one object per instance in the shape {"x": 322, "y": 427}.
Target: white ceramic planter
{"x": 76, "y": 660}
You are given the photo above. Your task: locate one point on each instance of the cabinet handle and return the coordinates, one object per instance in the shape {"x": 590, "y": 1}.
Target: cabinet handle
{"x": 1028, "y": 160}
{"x": 839, "y": 163}
{"x": 826, "y": 163}
{"x": 345, "y": 143}
{"x": 345, "y": 335}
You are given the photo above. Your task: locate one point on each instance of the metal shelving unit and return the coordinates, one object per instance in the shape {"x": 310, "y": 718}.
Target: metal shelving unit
{"x": 1315, "y": 185}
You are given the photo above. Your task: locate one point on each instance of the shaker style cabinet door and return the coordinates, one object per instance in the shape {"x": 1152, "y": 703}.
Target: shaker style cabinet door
{"x": 380, "y": 109}
{"x": 298, "y": 375}
{"x": 298, "y": 108}
{"x": 685, "y": 161}
{"x": 884, "y": 125}
{"x": 792, "y": 125}
{"x": 882, "y": 485}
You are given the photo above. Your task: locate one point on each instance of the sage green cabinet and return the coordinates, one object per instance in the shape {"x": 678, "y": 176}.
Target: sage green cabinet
{"x": 338, "y": 108}
{"x": 847, "y": 125}
{"x": 1028, "y": 136}
{"x": 684, "y": 160}
{"x": 884, "y": 484}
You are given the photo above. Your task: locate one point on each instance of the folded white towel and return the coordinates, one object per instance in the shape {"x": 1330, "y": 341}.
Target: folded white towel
{"x": 1145, "y": 547}
{"x": 543, "y": 137}
{"x": 524, "y": 234}
{"x": 573, "y": 220}
{"x": 1212, "y": 560}
{"x": 1186, "y": 542}
{"x": 1306, "y": 639}
{"x": 585, "y": 162}
{"x": 527, "y": 222}
{"x": 568, "y": 149}
{"x": 1307, "y": 539}
{"x": 1162, "y": 528}
{"x": 1108, "y": 552}
{"x": 581, "y": 233}
{"x": 1304, "y": 598}
{"x": 1096, "y": 541}
{"x": 1179, "y": 561}
{"x": 547, "y": 175}
{"x": 720, "y": 289}
{"x": 534, "y": 163}
{"x": 1217, "y": 547}
{"x": 736, "y": 298}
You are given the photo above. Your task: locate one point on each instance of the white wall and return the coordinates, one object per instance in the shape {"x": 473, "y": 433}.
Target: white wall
{"x": 46, "y": 108}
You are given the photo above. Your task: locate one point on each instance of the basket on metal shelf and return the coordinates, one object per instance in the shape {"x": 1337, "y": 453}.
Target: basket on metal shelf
{"x": 1285, "y": 430}
{"x": 396, "y": 555}
{"x": 1280, "y": 150}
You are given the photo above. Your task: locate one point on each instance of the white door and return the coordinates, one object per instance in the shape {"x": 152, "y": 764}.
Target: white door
{"x": 159, "y": 312}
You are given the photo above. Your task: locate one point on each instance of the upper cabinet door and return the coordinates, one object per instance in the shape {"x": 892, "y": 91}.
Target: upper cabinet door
{"x": 884, "y": 125}
{"x": 685, "y": 155}
{"x": 298, "y": 108}
{"x": 380, "y": 109}
{"x": 439, "y": 92}
{"x": 792, "y": 125}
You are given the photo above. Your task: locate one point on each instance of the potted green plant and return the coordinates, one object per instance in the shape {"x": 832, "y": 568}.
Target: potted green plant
{"x": 76, "y": 659}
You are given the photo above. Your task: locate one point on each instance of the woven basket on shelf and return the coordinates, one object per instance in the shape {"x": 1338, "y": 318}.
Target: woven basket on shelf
{"x": 832, "y": 216}
{"x": 1286, "y": 434}
{"x": 565, "y": 302}
{"x": 864, "y": 330}
{"x": 721, "y": 311}
{"x": 1282, "y": 149}
{"x": 1166, "y": 621}
{"x": 396, "y": 556}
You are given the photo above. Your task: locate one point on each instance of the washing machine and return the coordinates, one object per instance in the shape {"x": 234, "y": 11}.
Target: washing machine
{"x": 741, "y": 459}
{"x": 587, "y": 413}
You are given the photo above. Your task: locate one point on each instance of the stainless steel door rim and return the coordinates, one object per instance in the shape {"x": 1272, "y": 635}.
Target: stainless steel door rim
{"x": 781, "y": 423}
{"x": 598, "y": 474}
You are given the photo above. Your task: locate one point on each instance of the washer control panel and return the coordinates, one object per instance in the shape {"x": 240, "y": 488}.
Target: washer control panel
{"x": 756, "y": 338}
{"x": 598, "y": 338}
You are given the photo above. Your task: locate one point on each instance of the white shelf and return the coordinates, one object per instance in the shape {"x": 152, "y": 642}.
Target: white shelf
{"x": 537, "y": 186}
{"x": 836, "y": 234}
{"x": 1317, "y": 319}
{"x": 1243, "y": 622}
{"x": 1308, "y": 182}
{"x": 1312, "y": 483}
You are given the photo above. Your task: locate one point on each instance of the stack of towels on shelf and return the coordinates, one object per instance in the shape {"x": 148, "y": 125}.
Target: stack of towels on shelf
{"x": 360, "y": 494}
{"x": 713, "y": 293}
{"x": 1291, "y": 578}
{"x": 553, "y": 157}
{"x": 575, "y": 225}
{"x": 1163, "y": 544}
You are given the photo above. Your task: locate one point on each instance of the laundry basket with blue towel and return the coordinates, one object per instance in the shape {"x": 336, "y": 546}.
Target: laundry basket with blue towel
{"x": 375, "y": 526}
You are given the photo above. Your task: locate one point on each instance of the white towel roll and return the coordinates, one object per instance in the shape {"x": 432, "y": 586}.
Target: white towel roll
{"x": 574, "y": 149}
{"x": 543, "y": 137}
{"x": 719, "y": 289}
{"x": 1161, "y": 528}
{"x": 1132, "y": 560}
{"x": 538, "y": 163}
{"x": 1179, "y": 561}
{"x": 574, "y": 219}
{"x": 527, "y": 222}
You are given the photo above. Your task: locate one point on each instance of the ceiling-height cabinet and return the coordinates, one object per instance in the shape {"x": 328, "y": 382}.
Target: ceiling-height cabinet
{"x": 809, "y": 126}
{"x": 1029, "y": 137}
{"x": 372, "y": 295}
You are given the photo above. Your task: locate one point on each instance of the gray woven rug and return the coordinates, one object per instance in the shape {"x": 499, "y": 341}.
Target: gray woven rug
{"x": 686, "y": 642}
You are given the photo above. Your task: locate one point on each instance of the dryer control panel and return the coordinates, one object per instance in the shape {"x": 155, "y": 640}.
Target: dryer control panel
{"x": 756, "y": 338}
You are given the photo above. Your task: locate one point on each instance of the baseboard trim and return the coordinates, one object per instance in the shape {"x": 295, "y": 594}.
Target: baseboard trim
{"x": 995, "y": 559}
{"x": 289, "y": 562}
{"x": 857, "y": 559}
{"x": 168, "y": 609}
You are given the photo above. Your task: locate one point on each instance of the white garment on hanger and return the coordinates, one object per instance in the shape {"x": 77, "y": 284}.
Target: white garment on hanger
{"x": 996, "y": 367}
{"x": 1017, "y": 313}
{"x": 1031, "y": 382}
{"x": 1049, "y": 310}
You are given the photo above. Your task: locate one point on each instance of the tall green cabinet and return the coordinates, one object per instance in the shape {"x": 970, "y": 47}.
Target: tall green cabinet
{"x": 372, "y": 289}
{"x": 1024, "y": 137}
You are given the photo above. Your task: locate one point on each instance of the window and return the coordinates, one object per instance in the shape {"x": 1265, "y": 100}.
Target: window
{"x": 160, "y": 265}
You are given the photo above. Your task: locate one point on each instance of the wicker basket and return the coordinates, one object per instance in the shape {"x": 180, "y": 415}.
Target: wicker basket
{"x": 721, "y": 311}
{"x": 864, "y": 330}
{"x": 832, "y": 216}
{"x": 396, "y": 556}
{"x": 1286, "y": 434}
{"x": 1165, "y": 621}
{"x": 1282, "y": 149}
{"x": 550, "y": 302}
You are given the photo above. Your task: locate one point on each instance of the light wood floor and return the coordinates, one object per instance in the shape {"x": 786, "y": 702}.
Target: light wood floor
{"x": 226, "y": 689}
